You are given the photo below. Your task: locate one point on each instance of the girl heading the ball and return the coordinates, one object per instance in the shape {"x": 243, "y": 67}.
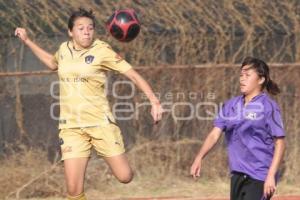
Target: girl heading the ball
{"x": 86, "y": 120}
{"x": 254, "y": 135}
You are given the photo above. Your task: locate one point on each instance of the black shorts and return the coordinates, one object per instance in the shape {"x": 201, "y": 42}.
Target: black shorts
{"x": 243, "y": 187}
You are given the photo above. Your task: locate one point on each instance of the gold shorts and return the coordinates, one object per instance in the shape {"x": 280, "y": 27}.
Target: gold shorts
{"x": 78, "y": 142}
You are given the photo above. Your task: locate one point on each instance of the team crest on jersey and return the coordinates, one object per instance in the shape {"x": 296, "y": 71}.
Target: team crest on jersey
{"x": 89, "y": 59}
{"x": 251, "y": 115}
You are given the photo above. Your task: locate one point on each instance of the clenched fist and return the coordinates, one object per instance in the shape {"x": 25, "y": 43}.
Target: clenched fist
{"x": 21, "y": 33}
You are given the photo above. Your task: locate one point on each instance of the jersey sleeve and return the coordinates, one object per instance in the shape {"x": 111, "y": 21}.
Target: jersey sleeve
{"x": 113, "y": 61}
{"x": 220, "y": 119}
{"x": 274, "y": 121}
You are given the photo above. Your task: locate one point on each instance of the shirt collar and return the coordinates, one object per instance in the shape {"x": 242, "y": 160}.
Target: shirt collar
{"x": 262, "y": 94}
{"x": 72, "y": 47}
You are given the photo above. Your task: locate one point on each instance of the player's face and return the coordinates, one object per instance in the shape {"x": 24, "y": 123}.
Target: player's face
{"x": 82, "y": 32}
{"x": 249, "y": 80}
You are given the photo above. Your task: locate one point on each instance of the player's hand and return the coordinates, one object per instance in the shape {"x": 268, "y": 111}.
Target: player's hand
{"x": 21, "y": 33}
{"x": 196, "y": 167}
{"x": 156, "y": 112}
{"x": 269, "y": 186}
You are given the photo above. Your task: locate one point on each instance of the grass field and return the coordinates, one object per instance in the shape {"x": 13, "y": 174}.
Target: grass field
{"x": 30, "y": 176}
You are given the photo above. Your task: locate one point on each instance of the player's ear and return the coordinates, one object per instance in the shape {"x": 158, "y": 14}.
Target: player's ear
{"x": 262, "y": 80}
{"x": 70, "y": 33}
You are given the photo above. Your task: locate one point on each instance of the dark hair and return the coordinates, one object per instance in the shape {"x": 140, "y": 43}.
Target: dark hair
{"x": 81, "y": 12}
{"x": 262, "y": 70}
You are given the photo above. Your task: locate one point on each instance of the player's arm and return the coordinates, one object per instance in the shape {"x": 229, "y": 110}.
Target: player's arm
{"x": 44, "y": 56}
{"x": 208, "y": 144}
{"x": 137, "y": 79}
{"x": 270, "y": 185}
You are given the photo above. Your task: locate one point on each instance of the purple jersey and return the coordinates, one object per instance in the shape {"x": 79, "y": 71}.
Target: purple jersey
{"x": 249, "y": 132}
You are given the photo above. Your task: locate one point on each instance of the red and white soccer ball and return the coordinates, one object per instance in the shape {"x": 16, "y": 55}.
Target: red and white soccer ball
{"x": 123, "y": 25}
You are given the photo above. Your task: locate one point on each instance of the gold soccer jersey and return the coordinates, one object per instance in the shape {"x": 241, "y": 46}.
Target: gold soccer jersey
{"x": 82, "y": 77}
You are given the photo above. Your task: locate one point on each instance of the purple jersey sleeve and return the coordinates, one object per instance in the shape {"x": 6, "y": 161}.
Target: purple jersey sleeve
{"x": 220, "y": 119}
{"x": 274, "y": 121}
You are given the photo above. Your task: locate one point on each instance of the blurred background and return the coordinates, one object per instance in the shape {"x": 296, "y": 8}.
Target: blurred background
{"x": 189, "y": 51}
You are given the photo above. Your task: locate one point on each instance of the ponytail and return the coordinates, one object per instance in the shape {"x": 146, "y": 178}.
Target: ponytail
{"x": 272, "y": 87}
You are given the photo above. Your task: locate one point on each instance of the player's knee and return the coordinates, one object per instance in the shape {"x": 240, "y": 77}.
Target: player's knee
{"x": 126, "y": 178}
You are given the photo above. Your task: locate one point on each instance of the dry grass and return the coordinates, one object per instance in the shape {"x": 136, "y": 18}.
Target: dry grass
{"x": 29, "y": 175}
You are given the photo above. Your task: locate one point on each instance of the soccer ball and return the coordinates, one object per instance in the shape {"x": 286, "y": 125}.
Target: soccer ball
{"x": 123, "y": 25}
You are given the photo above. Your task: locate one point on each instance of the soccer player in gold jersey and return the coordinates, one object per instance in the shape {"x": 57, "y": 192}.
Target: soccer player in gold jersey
{"x": 85, "y": 117}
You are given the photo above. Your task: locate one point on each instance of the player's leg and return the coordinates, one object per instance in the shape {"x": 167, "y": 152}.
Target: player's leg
{"x": 75, "y": 148}
{"x": 244, "y": 187}
{"x": 74, "y": 174}
{"x": 120, "y": 167}
{"x": 108, "y": 142}
{"x": 254, "y": 190}
{"x": 236, "y": 186}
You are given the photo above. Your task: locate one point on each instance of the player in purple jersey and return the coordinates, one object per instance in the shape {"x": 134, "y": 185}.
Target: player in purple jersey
{"x": 254, "y": 135}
